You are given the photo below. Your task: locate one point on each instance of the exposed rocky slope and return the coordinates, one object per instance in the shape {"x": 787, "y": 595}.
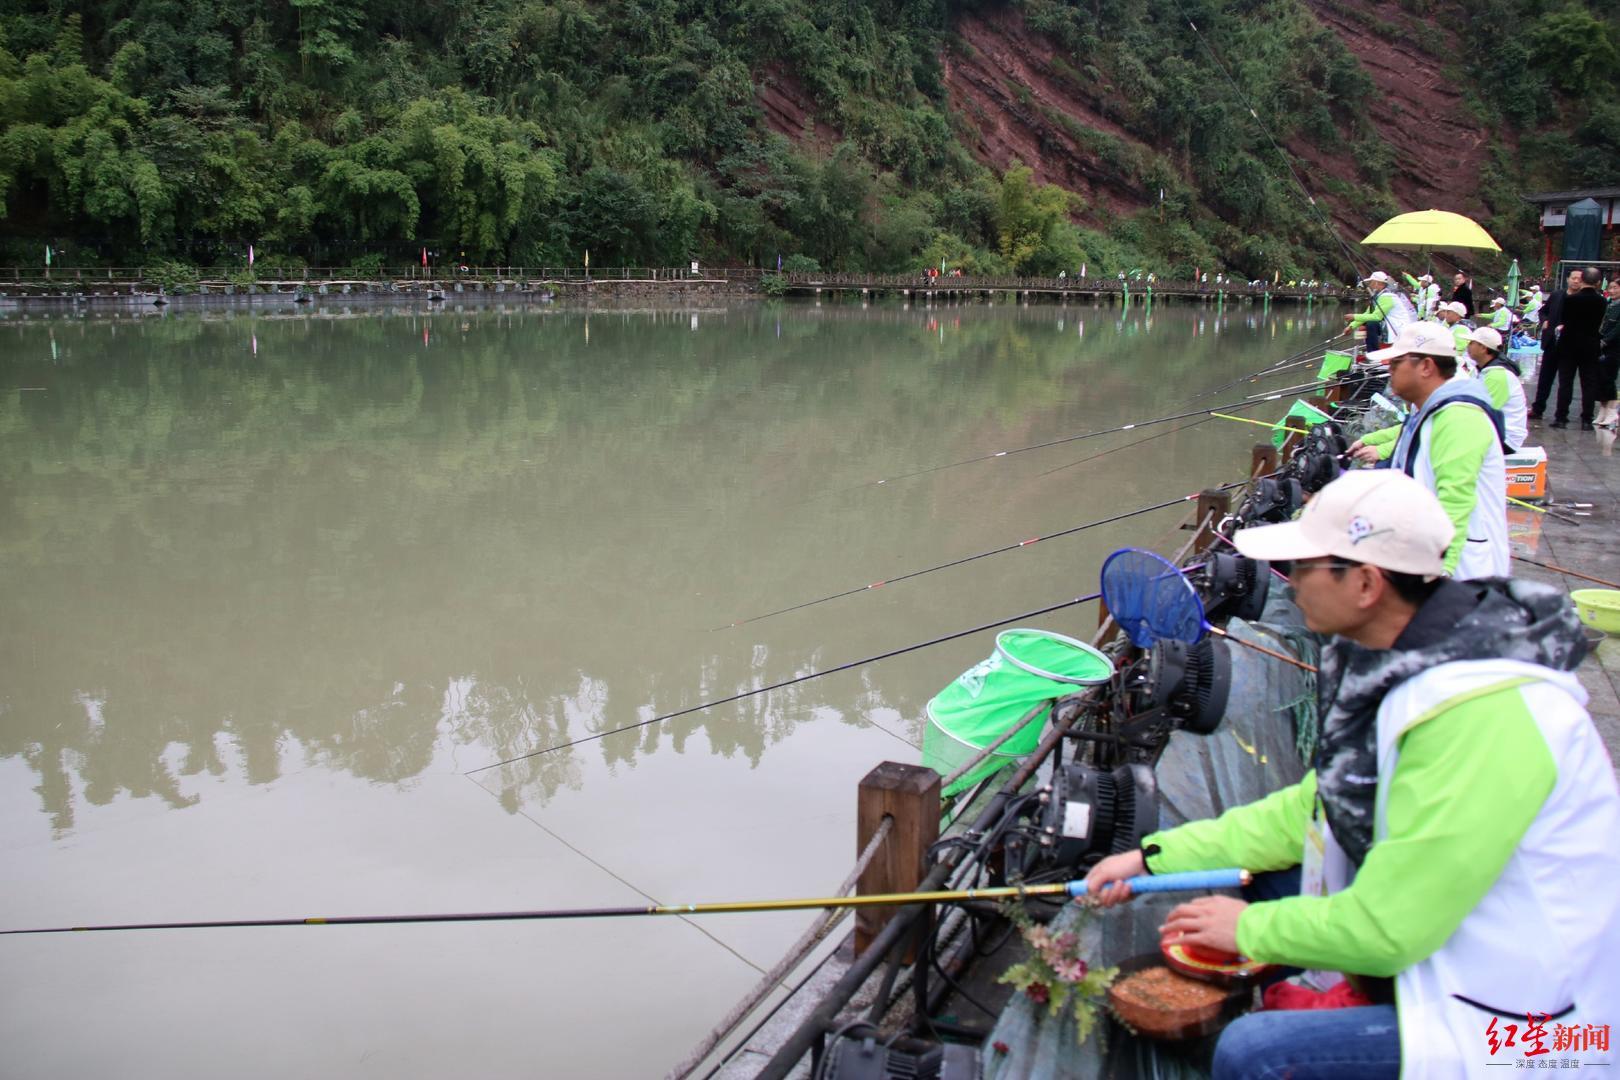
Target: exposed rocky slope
{"x": 1013, "y": 95}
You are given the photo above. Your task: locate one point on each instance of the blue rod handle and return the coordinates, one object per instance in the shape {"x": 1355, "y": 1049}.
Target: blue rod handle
{"x": 1188, "y": 881}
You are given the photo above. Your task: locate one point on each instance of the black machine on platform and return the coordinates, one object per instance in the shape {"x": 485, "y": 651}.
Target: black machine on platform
{"x": 1104, "y": 799}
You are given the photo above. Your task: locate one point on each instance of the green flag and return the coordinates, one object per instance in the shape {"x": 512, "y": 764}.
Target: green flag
{"x": 47, "y": 256}
{"x": 1332, "y": 364}
{"x": 1309, "y": 415}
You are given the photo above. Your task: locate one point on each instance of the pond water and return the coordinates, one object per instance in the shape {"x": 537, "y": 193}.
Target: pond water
{"x": 277, "y": 586}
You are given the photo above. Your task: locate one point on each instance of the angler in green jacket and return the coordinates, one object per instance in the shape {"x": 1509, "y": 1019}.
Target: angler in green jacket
{"x": 1378, "y": 312}
{"x": 1425, "y": 294}
{"x": 1455, "y": 836}
{"x": 1452, "y": 443}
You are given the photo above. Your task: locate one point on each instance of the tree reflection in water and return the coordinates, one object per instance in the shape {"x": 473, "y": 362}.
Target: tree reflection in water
{"x": 411, "y": 541}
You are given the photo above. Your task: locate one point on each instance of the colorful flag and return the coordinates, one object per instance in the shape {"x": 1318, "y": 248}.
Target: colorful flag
{"x": 250, "y": 256}
{"x": 47, "y": 255}
{"x": 424, "y": 256}
{"x": 587, "y": 258}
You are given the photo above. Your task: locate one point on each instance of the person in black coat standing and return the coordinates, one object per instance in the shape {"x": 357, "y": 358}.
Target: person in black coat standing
{"x": 1578, "y": 345}
{"x": 1463, "y": 293}
{"x": 1552, "y": 317}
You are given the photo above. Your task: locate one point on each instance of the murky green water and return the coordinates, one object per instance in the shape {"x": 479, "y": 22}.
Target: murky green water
{"x": 275, "y": 585}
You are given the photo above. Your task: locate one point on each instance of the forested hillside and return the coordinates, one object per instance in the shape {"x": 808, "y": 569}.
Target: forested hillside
{"x": 1028, "y": 135}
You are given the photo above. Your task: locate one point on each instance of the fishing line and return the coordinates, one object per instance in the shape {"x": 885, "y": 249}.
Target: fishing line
{"x": 1350, "y": 253}
{"x": 957, "y": 562}
{"x": 790, "y": 682}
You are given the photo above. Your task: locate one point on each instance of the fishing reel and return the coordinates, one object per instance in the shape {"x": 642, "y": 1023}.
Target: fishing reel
{"x": 1177, "y": 685}
{"x": 1318, "y": 461}
{"x": 1088, "y": 814}
{"x": 1272, "y": 500}
{"x": 1234, "y": 587}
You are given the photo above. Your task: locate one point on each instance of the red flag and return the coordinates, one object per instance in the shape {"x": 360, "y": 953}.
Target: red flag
{"x": 424, "y": 256}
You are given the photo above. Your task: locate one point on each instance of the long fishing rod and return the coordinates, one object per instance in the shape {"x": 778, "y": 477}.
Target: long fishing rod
{"x": 1189, "y": 881}
{"x": 790, "y": 682}
{"x": 1567, "y": 573}
{"x": 1257, "y": 647}
{"x": 1125, "y": 446}
{"x": 1050, "y": 442}
{"x": 1303, "y": 356}
{"x": 957, "y": 562}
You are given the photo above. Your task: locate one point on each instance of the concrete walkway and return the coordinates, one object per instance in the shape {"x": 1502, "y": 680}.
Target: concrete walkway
{"x": 1582, "y": 467}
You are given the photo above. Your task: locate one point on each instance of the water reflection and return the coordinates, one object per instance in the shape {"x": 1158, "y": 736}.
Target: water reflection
{"x": 388, "y": 541}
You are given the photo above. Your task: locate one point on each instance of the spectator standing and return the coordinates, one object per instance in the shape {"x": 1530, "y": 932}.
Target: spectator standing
{"x": 1463, "y": 293}
{"x": 1609, "y": 359}
{"x": 1552, "y": 318}
{"x": 1578, "y": 346}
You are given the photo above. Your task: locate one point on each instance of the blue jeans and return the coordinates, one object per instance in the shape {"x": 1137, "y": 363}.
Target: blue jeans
{"x": 1311, "y": 1044}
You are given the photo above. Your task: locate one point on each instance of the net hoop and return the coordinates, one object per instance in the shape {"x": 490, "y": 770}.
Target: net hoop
{"x": 1091, "y": 653}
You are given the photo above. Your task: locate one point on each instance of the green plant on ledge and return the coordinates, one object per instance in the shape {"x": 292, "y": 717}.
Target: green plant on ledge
{"x": 773, "y": 285}
{"x": 1055, "y": 974}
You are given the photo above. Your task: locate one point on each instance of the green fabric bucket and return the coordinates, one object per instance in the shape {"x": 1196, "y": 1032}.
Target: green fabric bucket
{"x": 1013, "y": 685}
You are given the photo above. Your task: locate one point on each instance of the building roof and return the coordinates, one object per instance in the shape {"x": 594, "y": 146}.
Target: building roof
{"x": 1539, "y": 197}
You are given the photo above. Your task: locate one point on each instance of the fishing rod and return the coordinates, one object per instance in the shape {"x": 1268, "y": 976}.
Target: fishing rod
{"x": 1125, "y": 446}
{"x": 1303, "y": 356}
{"x": 1245, "y": 404}
{"x": 1567, "y": 573}
{"x": 1257, "y": 647}
{"x": 1566, "y": 518}
{"x": 957, "y": 562}
{"x": 1188, "y": 881}
{"x": 1261, "y": 423}
{"x": 789, "y": 682}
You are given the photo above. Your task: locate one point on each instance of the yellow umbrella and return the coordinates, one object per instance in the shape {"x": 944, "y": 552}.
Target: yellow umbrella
{"x": 1432, "y": 230}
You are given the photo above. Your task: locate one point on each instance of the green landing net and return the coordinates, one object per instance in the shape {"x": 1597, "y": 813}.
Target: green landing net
{"x": 1014, "y": 686}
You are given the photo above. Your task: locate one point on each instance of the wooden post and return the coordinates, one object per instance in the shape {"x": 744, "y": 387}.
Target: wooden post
{"x": 1262, "y": 459}
{"x": 910, "y": 795}
{"x": 1210, "y": 502}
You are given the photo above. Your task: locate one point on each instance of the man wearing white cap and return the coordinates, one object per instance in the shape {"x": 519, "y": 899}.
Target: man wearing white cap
{"x": 1425, "y": 294}
{"x": 1504, "y": 382}
{"x": 1451, "y": 314}
{"x": 1455, "y": 836}
{"x": 1532, "y": 304}
{"x": 1451, "y": 442}
{"x": 1378, "y": 313}
{"x": 1501, "y": 316}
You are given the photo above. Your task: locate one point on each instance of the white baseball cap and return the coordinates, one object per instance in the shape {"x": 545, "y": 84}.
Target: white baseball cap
{"x": 1488, "y": 338}
{"x": 1380, "y": 517}
{"x": 1376, "y": 275}
{"x": 1455, "y": 307}
{"x": 1427, "y": 278}
{"x": 1497, "y": 301}
{"x": 1430, "y": 339}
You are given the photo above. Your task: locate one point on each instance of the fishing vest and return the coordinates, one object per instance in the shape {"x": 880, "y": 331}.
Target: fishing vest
{"x": 1398, "y": 314}
{"x": 1485, "y": 551}
{"x": 1515, "y": 413}
{"x": 1543, "y": 938}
